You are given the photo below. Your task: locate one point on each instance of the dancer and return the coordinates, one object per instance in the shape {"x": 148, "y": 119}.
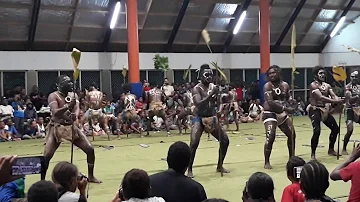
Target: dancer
{"x": 352, "y": 98}
{"x": 130, "y": 116}
{"x": 95, "y": 100}
{"x": 276, "y": 111}
{"x": 155, "y": 99}
{"x": 188, "y": 110}
{"x": 205, "y": 119}
{"x": 234, "y": 108}
{"x": 64, "y": 107}
{"x": 320, "y": 110}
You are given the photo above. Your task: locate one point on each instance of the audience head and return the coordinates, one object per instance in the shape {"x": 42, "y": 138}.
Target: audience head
{"x": 178, "y": 157}
{"x": 136, "y": 184}
{"x": 215, "y": 200}
{"x": 260, "y": 187}
{"x": 65, "y": 176}
{"x": 41, "y": 120}
{"x": 314, "y": 180}
{"x": 42, "y": 191}
{"x": 9, "y": 122}
{"x": 293, "y": 162}
{"x": 166, "y": 81}
{"x": 127, "y": 88}
{"x": 2, "y": 124}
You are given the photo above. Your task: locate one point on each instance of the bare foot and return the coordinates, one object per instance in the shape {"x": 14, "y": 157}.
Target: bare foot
{"x": 180, "y": 134}
{"x": 94, "y": 180}
{"x": 313, "y": 158}
{"x": 168, "y": 134}
{"x": 223, "y": 170}
{"x": 332, "y": 152}
{"x": 267, "y": 166}
{"x": 190, "y": 174}
{"x": 344, "y": 152}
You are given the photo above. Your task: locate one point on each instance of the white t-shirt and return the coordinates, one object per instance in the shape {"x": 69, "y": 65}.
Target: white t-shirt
{"x": 6, "y": 110}
{"x": 168, "y": 89}
{"x": 152, "y": 199}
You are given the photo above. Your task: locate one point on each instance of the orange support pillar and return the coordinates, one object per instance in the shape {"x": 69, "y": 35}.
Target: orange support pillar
{"x": 264, "y": 34}
{"x": 133, "y": 47}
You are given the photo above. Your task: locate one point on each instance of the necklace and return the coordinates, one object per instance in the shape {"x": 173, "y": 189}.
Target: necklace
{"x": 277, "y": 90}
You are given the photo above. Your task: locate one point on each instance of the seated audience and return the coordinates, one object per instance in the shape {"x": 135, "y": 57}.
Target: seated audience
{"x": 135, "y": 187}
{"x": 314, "y": 181}
{"x": 6, "y": 111}
{"x": 260, "y": 187}
{"x": 67, "y": 179}
{"x": 31, "y": 131}
{"x": 11, "y": 128}
{"x": 41, "y": 127}
{"x": 173, "y": 185}
{"x": 293, "y": 193}
{"x": 30, "y": 112}
{"x": 5, "y": 135}
{"x": 42, "y": 191}
{"x": 349, "y": 170}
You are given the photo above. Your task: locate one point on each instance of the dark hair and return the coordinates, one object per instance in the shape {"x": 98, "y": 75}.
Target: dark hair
{"x": 201, "y": 70}
{"x": 60, "y": 78}
{"x": 178, "y": 157}
{"x": 215, "y": 200}
{"x": 293, "y": 162}
{"x": 127, "y": 88}
{"x": 63, "y": 173}
{"x": 314, "y": 180}
{"x": 42, "y": 191}
{"x": 260, "y": 186}
{"x": 136, "y": 184}
{"x": 316, "y": 69}
{"x": 276, "y": 68}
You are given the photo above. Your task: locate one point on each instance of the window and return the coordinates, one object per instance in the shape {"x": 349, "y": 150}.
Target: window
{"x": 117, "y": 80}
{"x": 299, "y": 79}
{"x": 236, "y": 75}
{"x": 194, "y": 75}
{"x": 179, "y": 76}
{"x": 156, "y": 77}
{"x": 310, "y": 77}
{"x": 47, "y": 81}
{"x": 89, "y": 78}
{"x": 13, "y": 79}
{"x": 250, "y": 76}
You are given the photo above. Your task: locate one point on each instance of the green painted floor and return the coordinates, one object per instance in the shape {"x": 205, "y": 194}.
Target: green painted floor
{"x": 244, "y": 158}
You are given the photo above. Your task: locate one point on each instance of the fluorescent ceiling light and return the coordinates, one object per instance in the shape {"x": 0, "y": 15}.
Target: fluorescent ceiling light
{"x": 239, "y": 23}
{"x": 115, "y": 15}
{"x": 338, "y": 26}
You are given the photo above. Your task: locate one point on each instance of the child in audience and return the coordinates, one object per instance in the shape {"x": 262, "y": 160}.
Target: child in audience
{"x": 4, "y": 134}
{"x": 30, "y": 111}
{"x": 293, "y": 193}
{"x": 10, "y": 127}
{"x": 31, "y": 132}
{"x": 41, "y": 127}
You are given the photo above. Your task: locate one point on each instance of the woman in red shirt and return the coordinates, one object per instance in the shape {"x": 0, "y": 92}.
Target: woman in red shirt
{"x": 293, "y": 193}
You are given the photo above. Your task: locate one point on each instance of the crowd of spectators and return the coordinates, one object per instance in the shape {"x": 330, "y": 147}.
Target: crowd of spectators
{"x": 308, "y": 182}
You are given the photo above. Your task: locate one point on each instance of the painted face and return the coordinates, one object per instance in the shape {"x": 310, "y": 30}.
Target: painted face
{"x": 321, "y": 75}
{"x": 273, "y": 75}
{"x": 354, "y": 77}
{"x": 66, "y": 84}
{"x": 207, "y": 76}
